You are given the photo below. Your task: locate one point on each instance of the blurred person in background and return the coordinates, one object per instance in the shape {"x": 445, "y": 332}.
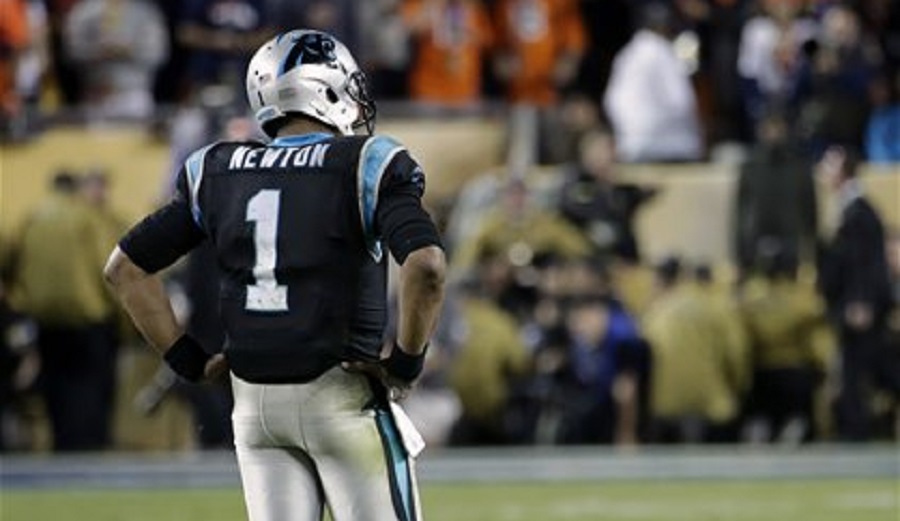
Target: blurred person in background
{"x": 117, "y": 46}
{"x": 594, "y": 200}
{"x": 855, "y": 283}
{"x": 882, "y": 136}
{"x": 336, "y": 17}
{"x": 65, "y": 75}
{"x": 606, "y": 356}
{"x": 450, "y": 39}
{"x": 782, "y": 316}
{"x": 698, "y": 368}
{"x": 881, "y": 19}
{"x": 538, "y": 49}
{"x": 721, "y": 298}
{"x": 833, "y": 84}
{"x": 489, "y": 360}
{"x": 608, "y": 27}
{"x": 59, "y": 283}
{"x": 32, "y": 69}
{"x": 19, "y": 368}
{"x": 650, "y": 100}
{"x": 775, "y": 199}
{"x": 219, "y": 37}
{"x": 385, "y": 47}
{"x": 94, "y": 187}
{"x": 774, "y": 46}
{"x": 14, "y": 39}
{"x": 108, "y": 226}
{"x": 893, "y": 251}
{"x": 715, "y": 26}
{"x": 522, "y": 231}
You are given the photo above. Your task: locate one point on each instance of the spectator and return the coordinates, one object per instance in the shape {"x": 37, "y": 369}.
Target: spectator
{"x": 32, "y": 68}
{"x": 540, "y": 44}
{"x": 64, "y": 72}
{"x": 775, "y": 198}
{"x": 604, "y": 353}
{"x": 486, "y": 364}
{"x": 834, "y": 84}
{"x": 108, "y": 226}
{"x": 521, "y": 231}
{"x": 450, "y": 39}
{"x": 59, "y": 268}
{"x": 782, "y": 316}
{"x": 717, "y": 26}
{"x": 855, "y": 283}
{"x": 882, "y": 137}
{"x": 220, "y": 36}
{"x": 698, "y": 367}
{"x": 385, "y": 47}
{"x": 117, "y": 46}
{"x": 14, "y": 37}
{"x": 881, "y": 18}
{"x": 771, "y": 55}
{"x": 602, "y": 207}
{"x": 650, "y": 100}
{"x": 539, "y": 48}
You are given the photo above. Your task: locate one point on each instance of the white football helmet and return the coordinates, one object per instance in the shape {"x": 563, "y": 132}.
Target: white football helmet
{"x": 310, "y": 73}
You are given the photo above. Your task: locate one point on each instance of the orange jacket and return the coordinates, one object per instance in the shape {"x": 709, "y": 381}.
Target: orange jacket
{"x": 451, "y": 36}
{"x": 535, "y": 34}
{"x": 13, "y": 39}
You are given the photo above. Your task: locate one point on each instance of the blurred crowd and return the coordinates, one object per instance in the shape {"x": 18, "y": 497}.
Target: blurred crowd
{"x": 673, "y": 78}
{"x": 557, "y": 329}
{"x": 560, "y": 331}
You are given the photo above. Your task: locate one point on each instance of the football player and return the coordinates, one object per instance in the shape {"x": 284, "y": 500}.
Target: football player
{"x": 300, "y": 227}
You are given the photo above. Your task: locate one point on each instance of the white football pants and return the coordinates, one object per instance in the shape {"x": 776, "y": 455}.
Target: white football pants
{"x": 326, "y": 443}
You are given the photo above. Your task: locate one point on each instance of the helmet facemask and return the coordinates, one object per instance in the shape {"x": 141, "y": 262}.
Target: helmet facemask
{"x": 358, "y": 90}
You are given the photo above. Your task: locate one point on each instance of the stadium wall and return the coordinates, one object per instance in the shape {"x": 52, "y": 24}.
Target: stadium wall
{"x": 691, "y": 216}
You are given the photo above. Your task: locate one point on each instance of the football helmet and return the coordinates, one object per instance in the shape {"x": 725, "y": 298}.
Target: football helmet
{"x": 310, "y": 73}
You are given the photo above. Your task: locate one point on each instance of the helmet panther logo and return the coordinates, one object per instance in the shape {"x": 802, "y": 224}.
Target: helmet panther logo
{"x": 310, "y": 49}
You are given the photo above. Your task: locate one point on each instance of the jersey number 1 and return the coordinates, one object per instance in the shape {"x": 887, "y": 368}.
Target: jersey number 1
{"x": 265, "y": 294}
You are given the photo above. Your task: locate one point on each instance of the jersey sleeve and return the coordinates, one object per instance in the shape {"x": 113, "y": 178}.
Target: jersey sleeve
{"x": 391, "y": 186}
{"x": 164, "y": 236}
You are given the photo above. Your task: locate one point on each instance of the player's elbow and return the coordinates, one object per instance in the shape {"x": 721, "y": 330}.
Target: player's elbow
{"x": 428, "y": 266}
{"x": 120, "y": 270}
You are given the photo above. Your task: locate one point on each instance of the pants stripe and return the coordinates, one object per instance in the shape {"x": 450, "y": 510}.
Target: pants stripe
{"x": 399, "y": 471}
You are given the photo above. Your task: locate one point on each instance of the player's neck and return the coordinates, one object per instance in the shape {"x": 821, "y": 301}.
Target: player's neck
{"x": 304, "y": 126}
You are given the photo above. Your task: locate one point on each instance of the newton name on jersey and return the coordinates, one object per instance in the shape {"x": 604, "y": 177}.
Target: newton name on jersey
{"x": 249, "y": 158}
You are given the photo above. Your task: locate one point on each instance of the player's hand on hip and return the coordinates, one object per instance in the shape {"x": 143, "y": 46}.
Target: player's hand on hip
{"x": 396, "y": 388}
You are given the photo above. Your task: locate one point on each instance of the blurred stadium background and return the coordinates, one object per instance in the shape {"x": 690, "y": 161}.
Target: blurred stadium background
{"x": 629, "y": 191}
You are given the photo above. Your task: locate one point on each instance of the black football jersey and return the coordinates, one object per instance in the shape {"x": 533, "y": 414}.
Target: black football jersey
{"x": 297, "y": 232}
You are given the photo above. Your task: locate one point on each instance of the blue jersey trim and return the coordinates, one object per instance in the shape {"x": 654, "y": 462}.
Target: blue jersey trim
{"x": 300, "y": 139}
{"x": 194, "y": 169}
{"x": 376, "y": 155}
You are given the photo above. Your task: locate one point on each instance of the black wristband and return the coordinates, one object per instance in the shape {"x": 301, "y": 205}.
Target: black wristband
{"x": 403, "y": 365}
{"x": 187, "y": 358}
